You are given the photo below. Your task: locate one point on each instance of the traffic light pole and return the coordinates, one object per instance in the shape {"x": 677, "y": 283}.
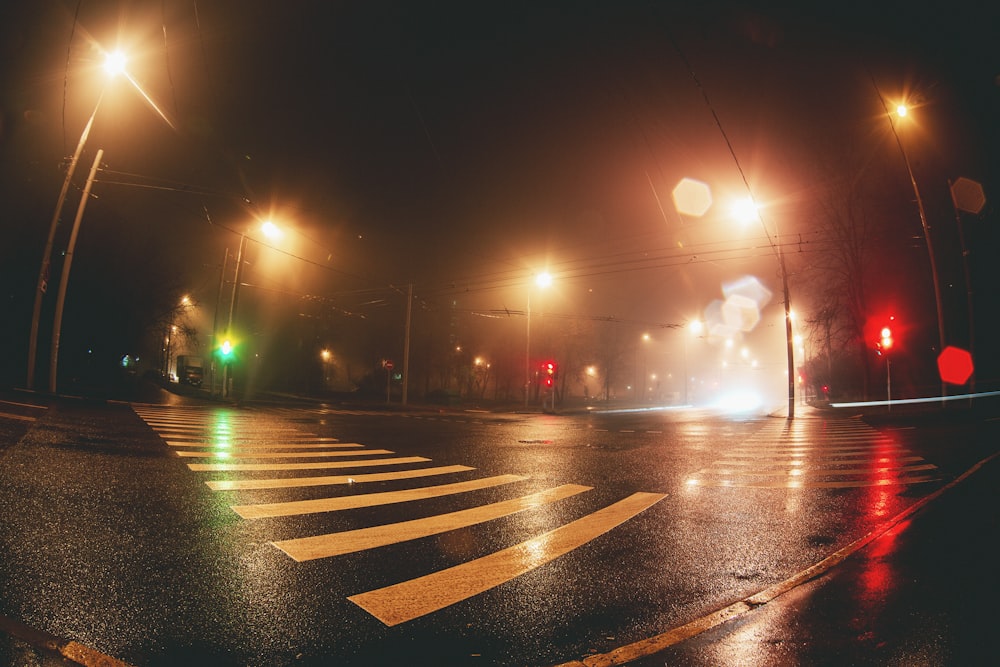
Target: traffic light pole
{"x": 888, "y": 383}
{"x": 789, "y": 348}
{"x": 226, "y": 372}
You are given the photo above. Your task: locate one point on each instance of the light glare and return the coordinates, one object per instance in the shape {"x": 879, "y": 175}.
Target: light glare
{"x": 114, "y": 63}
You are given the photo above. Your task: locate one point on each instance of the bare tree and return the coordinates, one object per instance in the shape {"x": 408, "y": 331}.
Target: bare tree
{"x": 840, "y": 279}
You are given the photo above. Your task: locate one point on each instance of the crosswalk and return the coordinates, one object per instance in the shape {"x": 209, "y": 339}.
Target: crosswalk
{"x": 816, "y": 453}
{"x": 222, "y": 440}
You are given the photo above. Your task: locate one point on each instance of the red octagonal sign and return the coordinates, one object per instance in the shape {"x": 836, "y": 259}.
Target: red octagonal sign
{"x": 955, "y": 365}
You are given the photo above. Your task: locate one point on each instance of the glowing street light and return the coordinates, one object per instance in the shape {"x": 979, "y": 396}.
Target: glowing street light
{"x": 750, "y": 208}
{"x": 271, "y": 231}
{"x": 901, "y": 112}
{"x": 114, "y": 64}
{"x": 542, "y": 280}
{"x": 695, "y": 328}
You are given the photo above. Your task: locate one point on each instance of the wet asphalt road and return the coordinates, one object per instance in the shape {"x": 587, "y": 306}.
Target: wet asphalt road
{"x": 111, "y": 539}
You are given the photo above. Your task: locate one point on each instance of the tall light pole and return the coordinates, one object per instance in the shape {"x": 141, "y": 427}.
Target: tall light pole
{"x": 542, "y": 280}
{"x": 64, "y": 277}
{"x": 114, "y": 64}
{"x": 272, "y": 231}
{"x": 641, "y": 372}
{"x": 901, "y": 111}
{"x": 694, "y": 329}
{"x": 747, "y": 210}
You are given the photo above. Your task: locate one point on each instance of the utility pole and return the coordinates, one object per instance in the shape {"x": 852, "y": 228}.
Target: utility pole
{"x": 406, "y": 343}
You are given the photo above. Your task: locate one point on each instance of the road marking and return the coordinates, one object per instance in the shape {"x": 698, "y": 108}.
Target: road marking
{"x": 819, "y": 449}
{"x": 231, "y": 445}
{"x": 292, "y": 482}
{"x": 268, "y": 510}
{"x": 806, "y": 452}
{"x": 226, "y": 467}
{"x": 412, "y": 599}
{"x": 23, "y": 418}
{"x": 811, "y": 461}
{"x": 235, "y": 454}
{"x": 336, "y": 544}
{"x": 818, "y": 472}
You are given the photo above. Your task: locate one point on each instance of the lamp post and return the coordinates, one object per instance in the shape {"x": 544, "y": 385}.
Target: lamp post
{"x": 901, "y": 112}
{"x": 542, "y": 280}
{"x": 272, "y": 231}
{"x": 64, "y": 277}
{"x": 114, "y": 64}
{"x": 747, "y": 210}
{"x": 694, "y": 328}
{"x": 641, "y": 372}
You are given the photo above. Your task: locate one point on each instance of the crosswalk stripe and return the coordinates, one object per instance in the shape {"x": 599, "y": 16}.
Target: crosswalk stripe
{"x": 293, "y": 482}
{"x": 824, "y": 460}
{"x": 11, "y": 415}
{"x": 231, "y": 445}
{"x": 820, "y": 484}
{"x": 335, "y": 544}
{"x": 818, "y": 449}
{"x": 816, "y": 472}
{"x": 269, "y": 510}
{"x": 411, "y": 599}
{"x": 231, "y": 454}
{"x": 228, "y": 467}
{"x": 208, "y": 425}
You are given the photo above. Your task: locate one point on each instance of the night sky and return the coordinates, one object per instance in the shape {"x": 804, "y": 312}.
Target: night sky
{"x": 462, "y": 146}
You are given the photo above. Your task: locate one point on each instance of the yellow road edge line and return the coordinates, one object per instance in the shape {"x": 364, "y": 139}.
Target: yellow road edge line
{"x": 316, "y": 505}
{"x": 411, "y": 599}
{"x": 336, "y": 544}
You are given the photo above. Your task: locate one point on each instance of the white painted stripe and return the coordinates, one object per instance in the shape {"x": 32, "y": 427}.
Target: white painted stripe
{"x": 24, "y": 418}
{"x": 323, "y": 465}
{"x": 336, "y": 544}
{"x": 234, "y": 446}
{"x": 417, "y": 597}
{"x": 813, "y": 460}
{"x": 744, "y": 452}
{"x": 293, "y": 482}
{"x": 799, "y": 471}
{"x": 267, "y": 510}
{"x": 846, "y": 484}
{"x": 235, "y": 454}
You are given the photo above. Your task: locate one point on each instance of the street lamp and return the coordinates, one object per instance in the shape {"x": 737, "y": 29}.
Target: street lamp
{"x": 271, "y": 231}
{"x": 114, "y": 64}
{"x": 542, "y": 280}
{"x": 694, "y": 328}
{"x": 748, "y": 209}
{"x": 641, "y": 373}
{"x": 901, "y": 112}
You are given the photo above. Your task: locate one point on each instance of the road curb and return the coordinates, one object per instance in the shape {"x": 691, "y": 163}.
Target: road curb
{"x": 68, "y": 651}
{"x": 645, "y": 648}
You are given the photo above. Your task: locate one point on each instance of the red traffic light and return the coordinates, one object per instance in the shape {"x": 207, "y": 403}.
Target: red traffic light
{"x": 885, "y": 341}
